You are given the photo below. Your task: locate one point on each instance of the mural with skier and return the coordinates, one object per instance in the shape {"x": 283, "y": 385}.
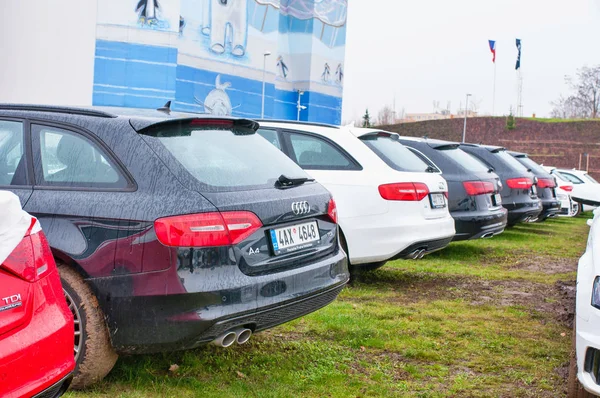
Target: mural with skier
{"x": 205, "y": 55}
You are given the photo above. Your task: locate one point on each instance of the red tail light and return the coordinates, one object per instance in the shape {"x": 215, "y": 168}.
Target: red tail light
{"x": 567, "y": 188}
{"x": 519, "y": 183}
{"x": 409, "y": 191}
{"x": 546, "y": 183}
{"x": 206, "y": 229}
{"x": 474, "y": 188}
{"x": 31, "y": 259}
{"x": 332, "y": 211}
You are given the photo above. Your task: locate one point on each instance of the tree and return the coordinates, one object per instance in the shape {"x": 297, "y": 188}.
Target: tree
{"x": 366, "y": 119}
{"x": 585, "y": 101}
{"x": 510, "y": 120}
{"x": 385, "y": 116}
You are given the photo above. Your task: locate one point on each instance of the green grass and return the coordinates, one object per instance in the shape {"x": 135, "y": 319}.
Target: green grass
{"x": 475, "y": 319}
{"x": 555, "y": 120}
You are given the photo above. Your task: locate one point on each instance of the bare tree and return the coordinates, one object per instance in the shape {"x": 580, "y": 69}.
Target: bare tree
{"x": 385, "y": 116}
{"x": 585, "y": 102}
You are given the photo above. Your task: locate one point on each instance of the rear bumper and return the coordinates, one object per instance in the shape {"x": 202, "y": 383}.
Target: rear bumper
{"x": 475, "y": 225}
{"x": 550, "y": 208}
{"x": 57, "y": 389}
{"x": 423, "y": 248}
{"x": 39, "y": 356}
{"x": 217, "y": 299}
{"x": 519, "y": 212}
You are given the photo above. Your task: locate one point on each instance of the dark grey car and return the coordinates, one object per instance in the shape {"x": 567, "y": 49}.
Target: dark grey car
{"x": 519, "y": 192}
{"x": 170, "y": 231}
{"x": 474, "y": 189}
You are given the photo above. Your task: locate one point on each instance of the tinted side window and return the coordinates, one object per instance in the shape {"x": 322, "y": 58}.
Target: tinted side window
{"x": 72, "y": 160}
{"x": 574, "y": 179}
{"x": 271, "y": 136}
{"x": 12, "y": 160}
{"x": 315, "y": 153}
{"x": 396, "y": 155}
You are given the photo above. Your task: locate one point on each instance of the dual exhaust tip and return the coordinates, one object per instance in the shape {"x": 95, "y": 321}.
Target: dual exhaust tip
{"x": 238, "y": 335}
{"x": 417, "y": 254}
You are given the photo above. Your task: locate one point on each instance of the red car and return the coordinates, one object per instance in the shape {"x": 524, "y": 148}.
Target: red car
{"x": 36, "y": 325}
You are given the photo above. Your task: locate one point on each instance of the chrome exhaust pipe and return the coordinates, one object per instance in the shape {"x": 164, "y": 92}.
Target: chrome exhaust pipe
{"x": 413, "y": 255}
{"x": 488, "y": 235}
{"x": 421, "y": 254}
{"x": 226, "y": 339}
{"x": 242, "y": 335}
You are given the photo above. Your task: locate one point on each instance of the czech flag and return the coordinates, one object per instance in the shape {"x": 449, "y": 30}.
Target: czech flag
{"x": 493, "y": 49}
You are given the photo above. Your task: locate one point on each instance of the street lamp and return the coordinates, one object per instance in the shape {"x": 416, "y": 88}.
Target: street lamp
{"x": 298, "y": 106}
{"x": 465, "y": 126}
{"x": 262, "y": 109}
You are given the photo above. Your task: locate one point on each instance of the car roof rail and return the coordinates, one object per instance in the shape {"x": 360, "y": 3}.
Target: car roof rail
{"x": 316, "y": 124}
{"x": 56, "y": 109}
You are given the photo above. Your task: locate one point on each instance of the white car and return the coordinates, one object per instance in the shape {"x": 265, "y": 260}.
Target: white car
{"x": 384, "y": 213}
{"x": 586, "y": 190}
{"x": 564, "y": 188}
{"x": 584, "y": 371}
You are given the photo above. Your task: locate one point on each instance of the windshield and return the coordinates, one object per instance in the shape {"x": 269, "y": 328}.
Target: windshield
{"x": 396, "y": 155}
{"x": 512, "y": 162}
{"x": 530, "y": 164}
{"x": 226, "y": 158}
{"x": 464, "y": 159}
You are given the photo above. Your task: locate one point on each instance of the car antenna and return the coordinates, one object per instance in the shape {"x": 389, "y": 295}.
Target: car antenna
{"x": 166, "y": 108}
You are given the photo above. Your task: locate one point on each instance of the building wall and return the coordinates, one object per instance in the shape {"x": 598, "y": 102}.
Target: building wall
{"x": 207, "y": 56}
{"x": 47, "y": 51}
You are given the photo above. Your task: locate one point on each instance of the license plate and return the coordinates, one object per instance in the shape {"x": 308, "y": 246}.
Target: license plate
{"x": 497, "y": 199}
{"x": 294, "y": 237}
{"x": 438, "y": 200}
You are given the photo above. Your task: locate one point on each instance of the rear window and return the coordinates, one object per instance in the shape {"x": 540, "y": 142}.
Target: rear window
{"x": 464, "y": 159}
{"x": 396, "y": 155}
{"x": 567, "y": 177}
{"x": 536, "y": 168}
{"x": 512, "y": 162}
{"x": 226, "y": 159}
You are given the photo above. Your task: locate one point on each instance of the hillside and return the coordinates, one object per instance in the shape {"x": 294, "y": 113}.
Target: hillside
{"x": 546, "y": 141}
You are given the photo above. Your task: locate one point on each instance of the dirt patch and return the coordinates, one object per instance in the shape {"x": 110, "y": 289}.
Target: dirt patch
{"x": 546, "y": 265}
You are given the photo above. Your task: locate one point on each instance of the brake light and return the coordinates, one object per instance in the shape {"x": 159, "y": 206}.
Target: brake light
{"x": 546, "y": 183}
{"x": 519, "y": 183}
{"x": 212, "y": 122}
{"x": 206, "y": 229}
{"x": 332, "y": 210}
{"x": 567, "y": 188}
{"x": 32, "y": 257}
{"x": 474, "y": 188}
{"x": 407, "y": 191}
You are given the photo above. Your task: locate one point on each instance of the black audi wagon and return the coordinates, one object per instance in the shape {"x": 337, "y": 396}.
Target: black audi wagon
{"x": 170, "y": 231}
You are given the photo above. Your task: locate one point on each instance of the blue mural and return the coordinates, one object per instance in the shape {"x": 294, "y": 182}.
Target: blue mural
{"x": 208, "y": 56}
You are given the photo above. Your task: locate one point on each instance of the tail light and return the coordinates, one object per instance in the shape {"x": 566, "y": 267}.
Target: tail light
{"x": 474, "y": 188}
{"x": 407, "y": 191}
{"x": 546, "y": 183}
{"x": 332, "y": 211}
{"x": 206, "y": 229}
{"x": 567, "y": 188}
{"x": 519, "y": 183}
{"x": 32, "y": 258}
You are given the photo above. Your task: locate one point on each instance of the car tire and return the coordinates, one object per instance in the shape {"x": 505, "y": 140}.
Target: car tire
{"x": 574, "y": 387}
{"x": 578, "y": 212}
{"x": 94, "y": 354}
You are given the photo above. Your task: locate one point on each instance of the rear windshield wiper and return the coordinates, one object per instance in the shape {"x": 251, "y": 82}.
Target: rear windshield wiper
{"x": 431, "y": 169}
{"x": 286, "y": 182}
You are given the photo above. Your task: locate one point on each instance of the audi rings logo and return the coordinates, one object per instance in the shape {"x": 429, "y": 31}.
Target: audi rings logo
{"x": 300, "y": 208}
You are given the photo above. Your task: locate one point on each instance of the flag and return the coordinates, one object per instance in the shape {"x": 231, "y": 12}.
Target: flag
{"x": 493, "y": 49}
{"x": 518, "y": 66}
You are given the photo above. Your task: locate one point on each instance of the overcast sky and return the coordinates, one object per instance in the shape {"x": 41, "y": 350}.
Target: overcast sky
{"x": 437, "y": 50}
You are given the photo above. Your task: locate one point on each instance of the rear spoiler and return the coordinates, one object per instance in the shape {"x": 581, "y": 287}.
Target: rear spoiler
{"x": 393, "y": 136}
{"x": 442, "y": 147}
{"x": 151, "y": 125}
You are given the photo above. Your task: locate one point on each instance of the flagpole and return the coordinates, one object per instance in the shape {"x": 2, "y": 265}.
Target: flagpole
{"x": 494, "y": 93}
